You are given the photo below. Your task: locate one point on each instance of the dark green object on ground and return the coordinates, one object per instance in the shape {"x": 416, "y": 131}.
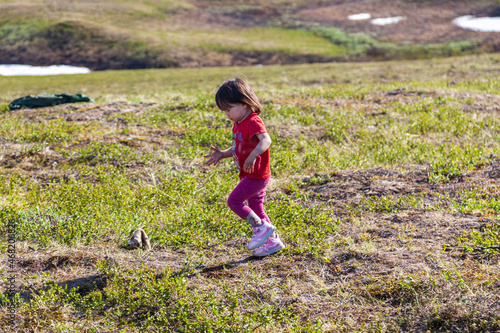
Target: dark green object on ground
{"x": 38, "y": 101}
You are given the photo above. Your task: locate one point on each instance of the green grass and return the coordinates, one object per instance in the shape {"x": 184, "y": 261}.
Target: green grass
{"x": 176, "y": 305}
{"x": 359, "y": 45}
{"x": 16, "y": 129}
{"x": 355, "y": 247}
{"x": 114, "y": 34}
{"x": 272, "y": 40}
{"x": 349, "y": 80}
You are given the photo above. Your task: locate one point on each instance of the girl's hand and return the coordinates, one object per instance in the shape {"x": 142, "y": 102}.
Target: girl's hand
{"x": 214, "y": 157}
{"x": 249, "y": 164}
{"x": 264, "y": 143}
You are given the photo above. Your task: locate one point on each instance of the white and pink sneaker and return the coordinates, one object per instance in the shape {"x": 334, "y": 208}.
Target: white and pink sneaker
{"x": 272, "y": 245}
{"x": 261, "y": 234}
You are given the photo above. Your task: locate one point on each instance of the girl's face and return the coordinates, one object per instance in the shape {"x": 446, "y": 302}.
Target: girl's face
{"x": 237, "y": 112}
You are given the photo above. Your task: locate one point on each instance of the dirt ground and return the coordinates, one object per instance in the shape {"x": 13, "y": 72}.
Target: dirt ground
{"x": 409, "y": 241}
{"x": 426, "y": 21}
{"x": 405, "y": 241}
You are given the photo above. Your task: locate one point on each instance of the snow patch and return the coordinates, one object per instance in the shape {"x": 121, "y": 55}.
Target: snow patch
{"x": 387, "y": 20}
{"x": 360, "y": 16}
{"x": 478, "y": 23}
{"x": 18, "y": 70}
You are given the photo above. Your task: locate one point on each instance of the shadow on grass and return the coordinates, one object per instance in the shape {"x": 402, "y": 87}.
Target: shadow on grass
{"x": 190, "y": 273}
{"x": 87, "y": 284}
{"x": 84, "y": 286}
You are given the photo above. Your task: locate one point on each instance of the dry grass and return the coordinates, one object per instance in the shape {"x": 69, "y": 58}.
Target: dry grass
{"x": 375, "y": 246}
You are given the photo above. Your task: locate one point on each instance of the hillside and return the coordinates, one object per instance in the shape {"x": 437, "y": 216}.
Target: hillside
{"x": 113, "y": 34}
{"x": 384, "y": 190}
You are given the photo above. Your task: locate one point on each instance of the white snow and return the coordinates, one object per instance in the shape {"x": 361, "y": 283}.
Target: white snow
{"x": 15, "y": 70}
{"x": 478, "y": 23}
{"x": 387, "y": 20}
{"x": 360, "y": 16}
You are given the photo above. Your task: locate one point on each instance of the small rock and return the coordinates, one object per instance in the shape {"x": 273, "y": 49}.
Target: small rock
{"x": 139, "y": 239}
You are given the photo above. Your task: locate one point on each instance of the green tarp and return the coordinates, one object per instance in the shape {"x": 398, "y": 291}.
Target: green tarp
{"x": 38, "y": 101}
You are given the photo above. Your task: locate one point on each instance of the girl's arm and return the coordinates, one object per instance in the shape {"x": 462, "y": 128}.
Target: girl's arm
{"x": 264, "y": 144}
{"x": 217, "y": 155}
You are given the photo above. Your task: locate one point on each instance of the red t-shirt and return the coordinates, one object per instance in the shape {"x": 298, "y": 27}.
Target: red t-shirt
{"x": 245, "y": 141}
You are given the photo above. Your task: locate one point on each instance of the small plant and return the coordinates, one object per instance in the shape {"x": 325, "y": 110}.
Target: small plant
{"x": 4, "y": 107}
{"x": 487, "y": 240}
{"x": 442, "y": 173}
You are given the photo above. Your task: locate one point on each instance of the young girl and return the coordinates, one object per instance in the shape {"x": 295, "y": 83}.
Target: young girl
{"x": 250, "y": 151}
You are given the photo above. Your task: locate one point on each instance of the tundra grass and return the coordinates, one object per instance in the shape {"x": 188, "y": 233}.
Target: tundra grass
{"x": 273, "y": 40}
{"x": 159, "y": 34}
{"x": 360, "y": 44}
{"x": 384, "y": 191}
{"x": 349, "y": 79}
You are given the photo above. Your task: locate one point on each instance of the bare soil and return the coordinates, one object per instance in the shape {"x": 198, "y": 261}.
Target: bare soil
{"x": 375, "y": 247}
{"x": 426, "y": 21}
{"x": 404, "y": 243}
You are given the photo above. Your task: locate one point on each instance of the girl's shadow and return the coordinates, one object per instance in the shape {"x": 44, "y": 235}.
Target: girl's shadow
{"x": 190, "y": 273}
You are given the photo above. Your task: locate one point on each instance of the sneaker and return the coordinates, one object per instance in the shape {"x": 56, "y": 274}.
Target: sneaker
{"x": 261, "y": 234}
{"x": 272, "y": 245}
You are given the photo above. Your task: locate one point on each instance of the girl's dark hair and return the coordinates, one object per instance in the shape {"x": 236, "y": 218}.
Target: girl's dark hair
{"x": 237, "y": 91}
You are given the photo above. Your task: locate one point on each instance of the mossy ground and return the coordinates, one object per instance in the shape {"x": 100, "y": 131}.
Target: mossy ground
{"x": 385, "y": 191}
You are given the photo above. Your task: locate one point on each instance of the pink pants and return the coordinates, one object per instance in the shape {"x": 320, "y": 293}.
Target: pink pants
{"x": 253, "y": 191}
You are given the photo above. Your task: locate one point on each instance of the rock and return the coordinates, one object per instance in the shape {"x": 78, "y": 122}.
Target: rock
{"x": 139, "y": 239}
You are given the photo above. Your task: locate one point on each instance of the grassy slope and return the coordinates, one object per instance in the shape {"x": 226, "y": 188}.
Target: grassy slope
{"x": 113, "y": 34}
{"x": 173, "y": 38}
{"x": 377, "y": 168}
